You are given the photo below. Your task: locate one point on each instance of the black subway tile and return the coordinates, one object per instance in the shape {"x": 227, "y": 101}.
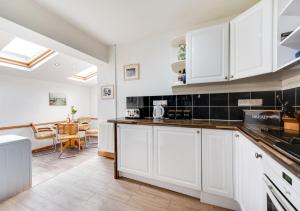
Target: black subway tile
{"x": 220, "y": 113}
{"x": 201, "y": 100}
{"x": 289, "y": 96}
{"x": 184, "y": 100}
{"x": 234, "y": 97}
{"x": 237, "y": 113}
{"x": 278, "y": 94}
{"x": 144, "y": 101}
{"x": 171, "y": 100}
{"x": 268, "y": 97}
{"x": 219, "y": 99}
{"x": 200, "y": 112}
{"x": 131, "y": 102}
{"x": 298, "y": 96}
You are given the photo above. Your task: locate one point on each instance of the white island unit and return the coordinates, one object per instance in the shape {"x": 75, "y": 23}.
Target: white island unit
{"x": 15, "y": 165}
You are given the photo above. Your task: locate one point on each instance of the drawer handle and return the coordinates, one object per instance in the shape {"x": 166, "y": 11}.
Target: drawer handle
{"x": 257, "y": 155}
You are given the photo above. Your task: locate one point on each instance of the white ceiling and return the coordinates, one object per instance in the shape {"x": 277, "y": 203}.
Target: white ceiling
{"x": 122, "y": 21}
{"x": 67, "y": 67}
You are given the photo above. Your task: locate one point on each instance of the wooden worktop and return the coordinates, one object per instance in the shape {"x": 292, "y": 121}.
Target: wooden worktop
{"x": 251, "y": 131}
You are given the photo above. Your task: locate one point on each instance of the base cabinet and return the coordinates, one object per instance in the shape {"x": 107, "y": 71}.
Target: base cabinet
{"x": 135, "y": 144}
{"x": 250, "y": 185}
{"x": 177, "y": 156}
{"x": 217, "y": 162}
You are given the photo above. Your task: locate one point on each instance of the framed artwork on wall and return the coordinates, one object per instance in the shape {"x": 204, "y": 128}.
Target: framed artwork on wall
{"x": 107, "y": 92}
{"x": 132, "y": 72}
{"x": 57, "y": 99}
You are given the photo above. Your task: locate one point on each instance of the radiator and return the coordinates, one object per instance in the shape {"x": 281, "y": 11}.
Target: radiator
{"x": 106, "y": 137}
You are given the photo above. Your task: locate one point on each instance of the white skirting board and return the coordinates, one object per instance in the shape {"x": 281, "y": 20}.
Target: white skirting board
{"x": 204, "y": 197}
{"x": 15, "y": 165}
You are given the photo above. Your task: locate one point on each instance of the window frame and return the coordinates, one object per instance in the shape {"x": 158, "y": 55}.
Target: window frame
{"x": 29, "y": 63}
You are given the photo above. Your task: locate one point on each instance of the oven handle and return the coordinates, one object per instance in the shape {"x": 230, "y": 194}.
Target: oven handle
{"x": 277, "y": 199}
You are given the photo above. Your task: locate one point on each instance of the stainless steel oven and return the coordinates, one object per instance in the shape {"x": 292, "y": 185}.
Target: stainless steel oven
{"x": 276, "y": 200}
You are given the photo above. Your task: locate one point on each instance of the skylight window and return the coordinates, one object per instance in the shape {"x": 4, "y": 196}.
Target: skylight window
{"x": 85, "y": 75}
{"x": 23, "y": 53}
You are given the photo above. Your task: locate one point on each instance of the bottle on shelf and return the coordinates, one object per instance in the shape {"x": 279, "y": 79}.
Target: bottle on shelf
{"x": 183, "y": 76}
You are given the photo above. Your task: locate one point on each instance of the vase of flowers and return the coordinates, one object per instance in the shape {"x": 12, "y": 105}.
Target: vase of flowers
{"x": 73, "y": 112}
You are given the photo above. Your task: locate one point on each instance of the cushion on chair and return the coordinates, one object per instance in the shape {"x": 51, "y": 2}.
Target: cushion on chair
{"x": 91, "y": 132}
{"x": 44, "y": 135}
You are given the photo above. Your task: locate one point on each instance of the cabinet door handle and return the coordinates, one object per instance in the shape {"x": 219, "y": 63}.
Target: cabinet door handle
{"x": 231, "y": 76}
{"x": 226, "y": 78}
{"x": 257, "y": 155}
{"x": 198, "y": 131}
{"x": 236, "y": 135}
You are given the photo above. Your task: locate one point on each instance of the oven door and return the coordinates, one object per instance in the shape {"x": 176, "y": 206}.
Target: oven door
{"x": 275, "y": 199}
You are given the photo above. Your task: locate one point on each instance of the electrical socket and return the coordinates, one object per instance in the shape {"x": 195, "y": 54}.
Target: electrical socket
{"x": 250, "y": 102}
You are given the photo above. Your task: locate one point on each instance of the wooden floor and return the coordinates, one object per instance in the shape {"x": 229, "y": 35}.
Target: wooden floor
{"x": 86, "y": 183}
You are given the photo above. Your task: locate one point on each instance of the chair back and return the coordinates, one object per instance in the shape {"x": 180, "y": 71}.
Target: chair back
{"x": 67, "y": 128}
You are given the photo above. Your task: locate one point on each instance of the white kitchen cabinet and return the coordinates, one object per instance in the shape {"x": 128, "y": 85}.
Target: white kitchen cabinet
{"x": 177, "y": 156}
{"x": 251, "y": 41}
{"x": 217, "y": 162}
{"x": 251, "y": 193}
{"x": 208, "y": 54}
{"x": 135, "y": 148}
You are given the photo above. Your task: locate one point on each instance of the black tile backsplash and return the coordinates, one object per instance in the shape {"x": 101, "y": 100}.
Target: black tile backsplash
{"x": 219, "y": 113}
{"x": 201, "y": 100}
{"x": 184, "y": 100}
{"x": 200, "y": 112}
{"x": 234, "y": 97}
{"x": 219, "y": 99}
{"x": 171, "y": 100}
{"x": 132, "y": 102}
{"x": 267, "y": 97}
{"x": 289, "y": 95}
{"x": 222, "y": 106}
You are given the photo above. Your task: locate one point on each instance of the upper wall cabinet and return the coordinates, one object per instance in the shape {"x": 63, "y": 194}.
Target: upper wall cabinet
{"x": 251, "y": 41}
{"x": 207, "y": 54}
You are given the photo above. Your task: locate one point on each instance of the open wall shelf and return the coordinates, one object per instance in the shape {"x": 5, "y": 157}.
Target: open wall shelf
{"x": 291, "y": 9}
{"x": 293, "y": 40}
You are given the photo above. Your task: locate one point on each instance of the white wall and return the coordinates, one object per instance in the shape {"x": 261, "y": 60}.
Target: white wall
{"x": 106, "y": 76}
{"x": 27, "y": 100}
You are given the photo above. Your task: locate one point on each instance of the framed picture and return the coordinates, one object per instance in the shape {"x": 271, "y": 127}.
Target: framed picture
{"x": 131, "y": 72}
{"x": 57, "y": 99}
{"x": 107, "y": 92}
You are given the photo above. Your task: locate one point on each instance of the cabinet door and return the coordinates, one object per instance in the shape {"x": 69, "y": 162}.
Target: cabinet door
{"x": 251, "y": 192}
{"x": 217, "y": 163}
{"x": 135, "y": 149}
{"x": 207, "y": 54}
{"x": 251, "y": 41}
{"x": 177, "y": 156}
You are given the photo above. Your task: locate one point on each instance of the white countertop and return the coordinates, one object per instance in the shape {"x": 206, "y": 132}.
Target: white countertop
{"x": 4, "y": 139}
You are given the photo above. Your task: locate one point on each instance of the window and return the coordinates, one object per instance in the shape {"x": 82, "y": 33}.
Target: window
{"x": 23, "y": 53}
{"x": 85, "y": 75}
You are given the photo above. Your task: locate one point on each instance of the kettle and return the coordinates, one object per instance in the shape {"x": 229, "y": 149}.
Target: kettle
{"x": 158, "y": 112}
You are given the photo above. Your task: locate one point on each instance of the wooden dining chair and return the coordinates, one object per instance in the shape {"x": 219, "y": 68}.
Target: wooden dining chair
{"x": 44, "y": 133}
{"x": 85, "y": 125}
{"x": 68, "y": 136}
